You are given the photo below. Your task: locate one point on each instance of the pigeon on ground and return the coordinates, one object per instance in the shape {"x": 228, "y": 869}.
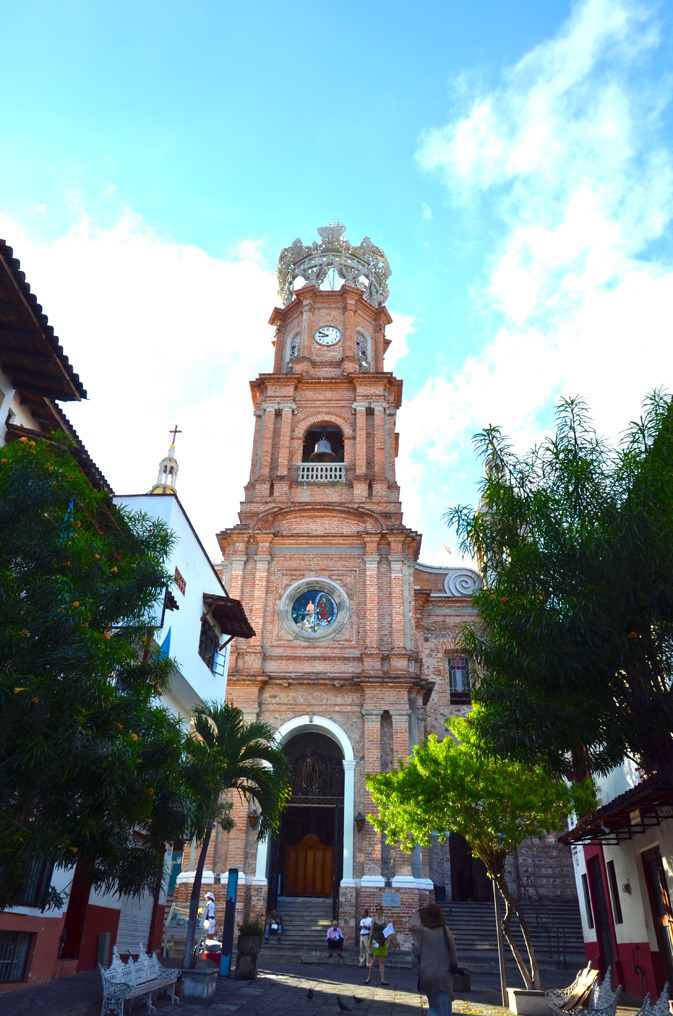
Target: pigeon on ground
{"x": 357, "y": 1000}
{"x": 344, "y": 1008}
{"x": 309, "y": 994}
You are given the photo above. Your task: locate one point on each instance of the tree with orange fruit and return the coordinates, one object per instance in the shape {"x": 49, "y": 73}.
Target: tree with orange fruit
{"x": 86, "y": 755}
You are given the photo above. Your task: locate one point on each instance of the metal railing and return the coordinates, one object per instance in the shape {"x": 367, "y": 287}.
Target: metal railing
{"x": 322, "y": 472}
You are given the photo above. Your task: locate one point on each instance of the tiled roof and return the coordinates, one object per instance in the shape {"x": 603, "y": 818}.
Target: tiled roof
{"x": 647, "y": 804}
{"x": 30, "y": 353}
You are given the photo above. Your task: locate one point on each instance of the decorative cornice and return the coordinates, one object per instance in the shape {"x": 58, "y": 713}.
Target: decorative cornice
{"x": 365, "y": 266}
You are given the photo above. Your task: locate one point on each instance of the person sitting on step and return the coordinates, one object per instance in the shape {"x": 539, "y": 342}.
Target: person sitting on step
{"x": 274, "y": 922}
{"x": 335, "y": 939}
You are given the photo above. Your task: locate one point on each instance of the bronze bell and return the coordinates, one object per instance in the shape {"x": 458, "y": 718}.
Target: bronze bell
{"x": 322, "y": 451}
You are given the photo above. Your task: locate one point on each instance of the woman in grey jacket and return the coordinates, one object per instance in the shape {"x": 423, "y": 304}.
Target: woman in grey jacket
{"x": 436, "y": 950}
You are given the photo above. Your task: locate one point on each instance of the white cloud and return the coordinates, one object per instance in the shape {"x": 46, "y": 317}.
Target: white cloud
{"x": 568, "y": 151}
{"x": 160, "y": 333}
{"x": 398, "y": 332}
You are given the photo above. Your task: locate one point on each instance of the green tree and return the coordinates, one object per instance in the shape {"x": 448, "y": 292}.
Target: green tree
{"x": 226, "y": 754}
{"x": 574, "y": 644}
{"x": 451, "y": 786}
{"x": 85, "y": 755}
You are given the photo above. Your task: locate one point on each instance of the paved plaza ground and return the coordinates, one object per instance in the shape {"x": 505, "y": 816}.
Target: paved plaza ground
{"x": 278, "y": 991}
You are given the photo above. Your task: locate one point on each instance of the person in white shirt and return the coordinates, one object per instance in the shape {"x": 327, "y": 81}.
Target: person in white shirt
{"x": 365, "y": 951}
{"x": 209, "y": 915}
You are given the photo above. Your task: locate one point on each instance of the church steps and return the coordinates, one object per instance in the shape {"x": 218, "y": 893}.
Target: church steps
{"x": 556, "y": 934}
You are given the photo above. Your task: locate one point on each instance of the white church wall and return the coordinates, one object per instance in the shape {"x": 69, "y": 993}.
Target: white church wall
{"x": 580, "y": 868}
{"x": 194, "y": 682}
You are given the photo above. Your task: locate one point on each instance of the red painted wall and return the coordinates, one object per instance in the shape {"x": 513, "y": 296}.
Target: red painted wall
{"x": 96, "y": 921}
{"x": 628, "y": 955}
{"x": 43, "y": 963}
{"x": 157, "y": 930}
{"x": 632, "y": 954}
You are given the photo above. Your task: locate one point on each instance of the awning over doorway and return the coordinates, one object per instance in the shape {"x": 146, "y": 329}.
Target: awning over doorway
{"x": 230, "y": 615}
{"x": 648, "y": 804}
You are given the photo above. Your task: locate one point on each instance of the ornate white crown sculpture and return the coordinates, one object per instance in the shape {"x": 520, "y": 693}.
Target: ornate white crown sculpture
{"x": 365, "y": 266}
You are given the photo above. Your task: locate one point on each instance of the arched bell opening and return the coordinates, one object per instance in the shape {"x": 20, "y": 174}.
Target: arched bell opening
{"x": 307, "y": 854}
{"x": 323, "y": 443}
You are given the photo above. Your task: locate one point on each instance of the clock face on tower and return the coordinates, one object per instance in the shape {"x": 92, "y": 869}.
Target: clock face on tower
{"x": 327, "y": 335}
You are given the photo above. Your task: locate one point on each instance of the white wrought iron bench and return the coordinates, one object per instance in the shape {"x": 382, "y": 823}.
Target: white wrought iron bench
{"x": 141, "y": 978}
{"x": 603, "y": 1000}
{"x": 564, "y": 1000}
{"x": 660, "y": 1007}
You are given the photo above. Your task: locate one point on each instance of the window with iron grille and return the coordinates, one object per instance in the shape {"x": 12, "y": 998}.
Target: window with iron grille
{"x": 209, "y": 643}
{"x": 14, "y": 953}
{"x": 38, "y": 883}
{"x": 459, "y": 679}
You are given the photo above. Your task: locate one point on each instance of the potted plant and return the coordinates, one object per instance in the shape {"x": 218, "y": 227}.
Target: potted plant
{"x": 248, "y": 948}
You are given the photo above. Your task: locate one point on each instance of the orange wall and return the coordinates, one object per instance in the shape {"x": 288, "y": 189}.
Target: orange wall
{"x": 43, "y": 962}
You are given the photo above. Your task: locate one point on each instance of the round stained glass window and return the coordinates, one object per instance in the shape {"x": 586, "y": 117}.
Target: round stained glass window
{"x": 314, "y": 611}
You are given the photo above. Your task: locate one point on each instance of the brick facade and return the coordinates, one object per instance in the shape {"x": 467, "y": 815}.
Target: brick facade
{"x": 380, "y": 683}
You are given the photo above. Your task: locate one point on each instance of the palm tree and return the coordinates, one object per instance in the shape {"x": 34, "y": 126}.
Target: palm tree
{"x": 225, "y": 753}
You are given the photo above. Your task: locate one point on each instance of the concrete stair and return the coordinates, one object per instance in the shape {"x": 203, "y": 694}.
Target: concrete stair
{"x": 556, "y": 930}
{"x": 305, "y": 924}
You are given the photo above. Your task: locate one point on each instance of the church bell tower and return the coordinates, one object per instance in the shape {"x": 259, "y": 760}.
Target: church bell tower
{"x": 324, "y": 566}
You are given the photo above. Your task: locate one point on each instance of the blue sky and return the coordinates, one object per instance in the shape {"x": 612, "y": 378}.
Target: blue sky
{"x": 514, "y": 160}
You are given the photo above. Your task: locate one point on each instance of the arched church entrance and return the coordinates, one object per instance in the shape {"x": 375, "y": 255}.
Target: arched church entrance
{"x": 469, "y": 881}
{"x": 307, "y": 854}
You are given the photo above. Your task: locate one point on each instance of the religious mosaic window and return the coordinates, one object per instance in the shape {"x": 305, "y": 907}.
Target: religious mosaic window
{"x": 314, "y": 611}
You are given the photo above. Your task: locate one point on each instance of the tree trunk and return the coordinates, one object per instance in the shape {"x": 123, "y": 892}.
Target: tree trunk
{"x": 189, "y": 958}
{"x": 531, "y": 974}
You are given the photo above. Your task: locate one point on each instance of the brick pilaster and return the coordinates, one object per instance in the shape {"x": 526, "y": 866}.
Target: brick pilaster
{"x": 379, "y": 440}
{"x": 287, "y": 410}
{"x": 267, "y": 442}
{"x": 236, "y": 854}
{"x": 254, "y": 459}
{"x": 397, "y": 591}
{"x": 372, "y": 754}
{"x": 262, "y": 559}
{"x": 400, "y": 718}
{"x": 360, "y": 410}
{"x": 371, "y": 561}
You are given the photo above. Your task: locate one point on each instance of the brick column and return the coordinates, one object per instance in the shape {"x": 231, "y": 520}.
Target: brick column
{"x": 235, "y": 586}
{"x": 239, "y": 834}
{"x": 371, "y": 561}
{"x": 306, "y": 328}
{"x": 262, "y": 559}
{"x": 391, "y": 415}
{"x": 287, "y": 409}
{"x": 238, "y": 855}
{"x": 360, "y": 410}
{"x": 267, "y": 442}
{"x": 372, "y": 764}
{"x": 377, "y": 343}
{"x": 397, "y": 591}
{"x": 379, "y": 440}
{"x": 400, "y": 718}
{"x": 350, "y": 361}
{"x": 254, "y": 459}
